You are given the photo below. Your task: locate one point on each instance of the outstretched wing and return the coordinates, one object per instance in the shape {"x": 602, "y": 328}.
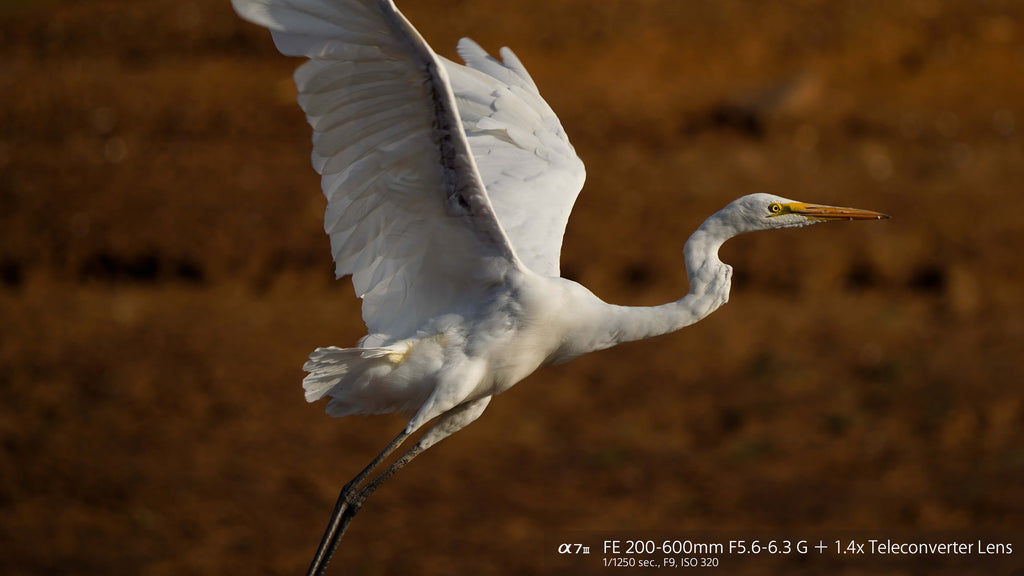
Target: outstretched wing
{"x": 530, "y": 169}
{"x": 407, "y": 212}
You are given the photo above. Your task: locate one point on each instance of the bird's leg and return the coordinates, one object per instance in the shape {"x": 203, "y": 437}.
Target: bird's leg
{"x": 351, "y": 487}
{"x": 353, "y": 496}
{"x": 349, "y": 501}
{"x": 449, "y": 423}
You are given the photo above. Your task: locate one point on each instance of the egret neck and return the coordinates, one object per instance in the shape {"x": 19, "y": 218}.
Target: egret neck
{"x": 608, "y": 324}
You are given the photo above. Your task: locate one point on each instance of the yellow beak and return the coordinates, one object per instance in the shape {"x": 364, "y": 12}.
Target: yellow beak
{"x": 824, "y": 213}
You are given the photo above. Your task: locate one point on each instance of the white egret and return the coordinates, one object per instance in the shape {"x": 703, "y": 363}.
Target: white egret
{"x": 449, "y": 187}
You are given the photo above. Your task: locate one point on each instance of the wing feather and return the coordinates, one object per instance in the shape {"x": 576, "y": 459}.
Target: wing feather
{"x": 531, "y": 171}
{"x": 407, "y": 211}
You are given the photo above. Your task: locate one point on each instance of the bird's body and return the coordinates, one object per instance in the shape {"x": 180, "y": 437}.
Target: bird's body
{"x": 449, "y": 187}
{"x": 460, "y": 360}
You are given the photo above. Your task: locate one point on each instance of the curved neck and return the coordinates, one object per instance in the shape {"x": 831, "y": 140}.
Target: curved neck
{"x": 710, "y": 281}
{"x": 597, "y": 325}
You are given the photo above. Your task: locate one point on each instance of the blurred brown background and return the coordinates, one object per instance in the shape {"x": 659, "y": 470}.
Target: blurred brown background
{"x": 163, "y": 275}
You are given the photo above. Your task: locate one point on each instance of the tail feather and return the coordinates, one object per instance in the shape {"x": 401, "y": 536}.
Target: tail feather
{"x": 331, "y": 366}
{"x": 357, "y": 380}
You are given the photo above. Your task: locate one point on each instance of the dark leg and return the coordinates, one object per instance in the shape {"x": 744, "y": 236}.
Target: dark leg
{"x": 352, "y": 496}
{"x": 349, "y": 502}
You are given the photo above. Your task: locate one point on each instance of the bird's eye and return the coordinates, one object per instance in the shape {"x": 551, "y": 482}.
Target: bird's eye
{"x": 775, "y": 208}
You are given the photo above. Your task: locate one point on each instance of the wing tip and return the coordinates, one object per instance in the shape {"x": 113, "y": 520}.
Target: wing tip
{"x": 255, "y": 11}
{"x": 508, "y": 69}
{"x": 468, "y": 49}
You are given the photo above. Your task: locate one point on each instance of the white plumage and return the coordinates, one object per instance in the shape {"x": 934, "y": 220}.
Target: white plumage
{"x": 529, "y": 168}
{"x": 449, "y": 187}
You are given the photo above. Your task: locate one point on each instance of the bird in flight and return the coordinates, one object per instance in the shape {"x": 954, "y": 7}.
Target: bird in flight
{"x": 448, "y": 190}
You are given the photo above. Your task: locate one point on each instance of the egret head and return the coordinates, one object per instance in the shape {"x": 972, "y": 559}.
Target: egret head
{"x": 769, "y": 212}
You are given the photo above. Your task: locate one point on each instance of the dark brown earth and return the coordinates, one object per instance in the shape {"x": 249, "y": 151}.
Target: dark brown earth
{"x": 163, "y": 274}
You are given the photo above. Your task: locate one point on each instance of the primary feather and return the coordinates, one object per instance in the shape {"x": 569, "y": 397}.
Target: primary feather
{"x": 531, "y": 171}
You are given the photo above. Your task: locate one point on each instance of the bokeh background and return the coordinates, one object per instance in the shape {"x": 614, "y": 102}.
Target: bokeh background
{"x": 163, "y": 275}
